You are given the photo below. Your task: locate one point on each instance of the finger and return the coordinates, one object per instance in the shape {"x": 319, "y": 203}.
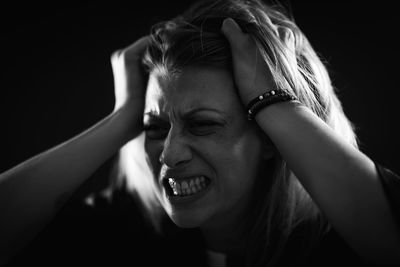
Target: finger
{"x": 230, "y": 28}
{"x": 237, "y": 39}
{"x": 131, "y": 53}
{"x": 137, "y": 48}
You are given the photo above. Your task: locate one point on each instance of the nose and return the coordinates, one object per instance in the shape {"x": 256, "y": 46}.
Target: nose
{"x": 176, "y": 151}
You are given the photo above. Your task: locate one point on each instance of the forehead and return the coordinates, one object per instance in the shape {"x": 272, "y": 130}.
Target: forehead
{"x": 193, "y": 88}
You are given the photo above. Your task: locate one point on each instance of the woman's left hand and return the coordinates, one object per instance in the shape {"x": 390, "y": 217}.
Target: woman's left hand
{"x": 342, "y": 181}
{"x": 251, "y": 73}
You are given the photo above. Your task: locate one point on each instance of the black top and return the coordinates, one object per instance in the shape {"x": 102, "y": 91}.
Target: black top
{"x": 114, "y": 231}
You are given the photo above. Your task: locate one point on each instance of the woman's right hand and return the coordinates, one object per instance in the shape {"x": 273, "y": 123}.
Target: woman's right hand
{"x": 129, "y": 77}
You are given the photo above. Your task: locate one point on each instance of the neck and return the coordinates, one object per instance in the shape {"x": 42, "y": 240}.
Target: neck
{"x": 222, "y": 241}
{"x": 226, "y": 235}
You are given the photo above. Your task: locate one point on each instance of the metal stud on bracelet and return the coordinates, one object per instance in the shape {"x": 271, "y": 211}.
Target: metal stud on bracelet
{"x": 266, "y": 99}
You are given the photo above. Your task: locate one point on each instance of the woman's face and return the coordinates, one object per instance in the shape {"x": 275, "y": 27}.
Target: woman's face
{"x": 203, "y": 152}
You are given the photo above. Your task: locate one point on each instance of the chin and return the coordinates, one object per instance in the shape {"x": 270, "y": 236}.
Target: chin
{"x": 187, "y": 219}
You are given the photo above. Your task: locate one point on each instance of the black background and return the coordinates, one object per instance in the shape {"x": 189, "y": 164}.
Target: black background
{"x": 56, "y": 77}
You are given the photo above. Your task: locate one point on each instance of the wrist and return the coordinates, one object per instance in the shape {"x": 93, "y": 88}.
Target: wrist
{"x": 256, "y": 90}
{"x": 130, "y": 116}
{"x": 266, "y": 99}
{"x": 246, "y": 99}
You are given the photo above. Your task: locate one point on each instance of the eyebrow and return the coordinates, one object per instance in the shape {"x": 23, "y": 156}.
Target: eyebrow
{"x": 192, "y": 112}
{"x": 196, "y": 110}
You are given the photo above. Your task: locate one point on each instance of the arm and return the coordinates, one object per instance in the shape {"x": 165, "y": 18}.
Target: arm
{"x": 32, "y": 192}
{"x": 342, "y": 181}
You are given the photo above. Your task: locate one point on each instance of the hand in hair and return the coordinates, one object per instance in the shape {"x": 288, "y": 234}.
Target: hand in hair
{"x": 129, "y": 80}
{"x": 340, "y": 179}
{"x": 252, "y": 74}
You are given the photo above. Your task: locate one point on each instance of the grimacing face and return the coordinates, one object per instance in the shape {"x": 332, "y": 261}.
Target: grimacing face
{"x": 203, "y": 152}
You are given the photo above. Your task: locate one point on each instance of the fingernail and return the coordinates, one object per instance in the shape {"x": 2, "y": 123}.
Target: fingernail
{"x": 228, "y": 22}
{"x": 231, "y": 24}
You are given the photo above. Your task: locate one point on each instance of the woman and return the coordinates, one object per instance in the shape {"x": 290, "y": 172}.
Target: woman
{"x": 246, "y": 146}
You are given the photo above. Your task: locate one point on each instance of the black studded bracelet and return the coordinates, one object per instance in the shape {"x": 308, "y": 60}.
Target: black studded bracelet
{"x": 266, "y": 99}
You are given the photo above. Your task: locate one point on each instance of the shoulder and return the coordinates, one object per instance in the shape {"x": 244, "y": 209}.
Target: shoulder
{"x": 387, "y": 176}
{"x": 316, "y": 243}
{"x": 391, "y": 185}
{"x": 334, "y": 251}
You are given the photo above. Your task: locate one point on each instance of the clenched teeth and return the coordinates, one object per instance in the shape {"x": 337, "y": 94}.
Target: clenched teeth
{"x": 188, "y": 186}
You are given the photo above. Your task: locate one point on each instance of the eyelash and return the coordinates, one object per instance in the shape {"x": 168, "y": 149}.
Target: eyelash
{"x": 202, "y": 123}
{"x": 191, "y": 128}
{"x": 154, "y": 131}
{"x": 151, "y": 127}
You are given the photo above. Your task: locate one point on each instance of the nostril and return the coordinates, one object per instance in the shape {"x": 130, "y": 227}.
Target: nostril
{"x": 175, "y": 152}
{"x": 174, "y": 161}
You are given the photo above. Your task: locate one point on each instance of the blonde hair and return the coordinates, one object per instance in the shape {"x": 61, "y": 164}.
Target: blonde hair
{"x": 194, "y": 38}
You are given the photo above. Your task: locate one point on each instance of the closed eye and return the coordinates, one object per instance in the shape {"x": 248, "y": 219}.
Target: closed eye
{"x": 201, "y": 128}
{"x": 156, "y": 131}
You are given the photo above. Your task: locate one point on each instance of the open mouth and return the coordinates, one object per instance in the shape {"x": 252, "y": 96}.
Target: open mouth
{"x": 186, "y": 186}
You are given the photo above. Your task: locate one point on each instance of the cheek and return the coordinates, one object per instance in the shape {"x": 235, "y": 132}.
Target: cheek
{"x": 240, "y": 163}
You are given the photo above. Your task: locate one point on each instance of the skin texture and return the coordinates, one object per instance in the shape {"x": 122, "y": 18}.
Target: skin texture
{"x": 222, "y": 145}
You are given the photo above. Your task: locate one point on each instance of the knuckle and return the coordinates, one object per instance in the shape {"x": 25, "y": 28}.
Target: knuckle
{"x": 116, "y": 54}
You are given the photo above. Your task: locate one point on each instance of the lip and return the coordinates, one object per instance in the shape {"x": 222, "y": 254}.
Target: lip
{"x": 176, "y": 200}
